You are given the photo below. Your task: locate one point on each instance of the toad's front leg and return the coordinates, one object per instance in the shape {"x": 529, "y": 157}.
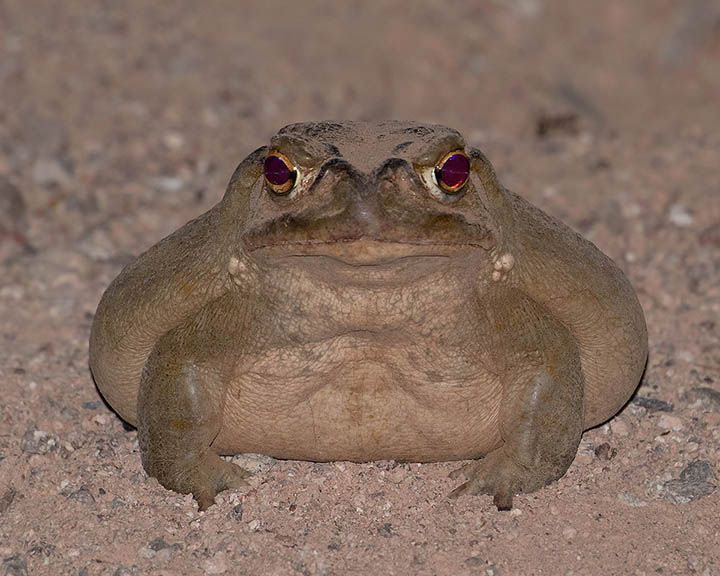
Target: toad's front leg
{"x": 541, "y": 414}
{"x": 180, "y": 413}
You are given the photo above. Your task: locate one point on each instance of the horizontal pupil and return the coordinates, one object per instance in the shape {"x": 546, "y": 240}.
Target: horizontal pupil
{"x": 276, "y": 171}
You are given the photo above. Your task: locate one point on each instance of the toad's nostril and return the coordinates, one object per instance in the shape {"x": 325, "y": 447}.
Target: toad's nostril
{"x": 392, "y": 166}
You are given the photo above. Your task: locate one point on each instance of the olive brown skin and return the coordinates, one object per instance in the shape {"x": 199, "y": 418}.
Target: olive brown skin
{"x": 368, "y": 313}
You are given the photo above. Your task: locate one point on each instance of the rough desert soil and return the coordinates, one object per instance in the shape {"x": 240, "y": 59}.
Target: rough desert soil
{"x": 121, "y": 121}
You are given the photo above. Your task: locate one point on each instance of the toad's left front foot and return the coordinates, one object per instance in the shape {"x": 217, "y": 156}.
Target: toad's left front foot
{"x": 498, "y": 474}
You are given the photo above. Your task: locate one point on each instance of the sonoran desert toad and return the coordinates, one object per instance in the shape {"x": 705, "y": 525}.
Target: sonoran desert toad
{"x": 368, "y": 291}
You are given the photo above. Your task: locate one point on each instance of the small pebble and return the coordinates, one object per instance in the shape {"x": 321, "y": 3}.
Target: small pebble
{"x": 254, "y": 463}
{"x": 100, "y": 419}
{"x": 668, "y": 422}
{"x": 630, "y": 500}
{"x": 216, "y": 565}
{"x": 397, "y": 475}
{"x": 173, "y": 140}
{"x": 679, "y": 216}
{"x": 619, "y": 428}
{"x": 584, "y": 457}
{"x": 168, "y": 183}
{"x": 50, "y": 172}
{"x": 165, "y": 554}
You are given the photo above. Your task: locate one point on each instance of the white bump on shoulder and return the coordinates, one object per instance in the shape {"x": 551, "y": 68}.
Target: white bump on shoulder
{"x": 502, "y": 265}
{"x": 239, "y": 270}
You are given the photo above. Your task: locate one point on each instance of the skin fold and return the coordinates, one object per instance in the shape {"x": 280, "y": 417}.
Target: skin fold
{"x": 368, "y": 314}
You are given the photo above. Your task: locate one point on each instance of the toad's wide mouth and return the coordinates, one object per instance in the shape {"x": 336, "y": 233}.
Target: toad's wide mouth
{"x": 365, "y": 252}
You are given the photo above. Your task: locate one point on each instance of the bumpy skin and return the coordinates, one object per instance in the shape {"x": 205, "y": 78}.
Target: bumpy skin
{"x": 365, "y": 315}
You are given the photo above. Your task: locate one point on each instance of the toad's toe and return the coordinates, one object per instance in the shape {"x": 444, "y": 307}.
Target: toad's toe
{"x": 496, "y": 474}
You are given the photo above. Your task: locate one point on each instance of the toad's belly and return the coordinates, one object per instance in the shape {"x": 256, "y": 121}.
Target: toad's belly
{"x": 362, "y": 410}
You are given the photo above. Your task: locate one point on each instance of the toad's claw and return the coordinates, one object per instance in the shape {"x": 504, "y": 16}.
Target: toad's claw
{"x": 214, "y": 475}
{"x": 496, "y": 474}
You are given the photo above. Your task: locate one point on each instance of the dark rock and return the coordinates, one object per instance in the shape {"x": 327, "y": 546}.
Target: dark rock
{"x": 40, "y": 548}
{"x": 15, "y": 566}
{"x": 158, "y": 544}
{"x": 37, "y": 442}
{"x": 7, "y": 499}
{"x": 653, "y": 404}
{"x": 125, "y": 571}
{"x": 385, "y": 530}
{"x": 82, "y": 495}
{"x": 697, "y": 471}
{"x": 13, "y": 222}
{"x": 605, "y": 451}
{"x": 237, "y": 512}
{"x": 551, "y": 124}
{"x": 703, "y": 397}
{"x": 693, "y": 483}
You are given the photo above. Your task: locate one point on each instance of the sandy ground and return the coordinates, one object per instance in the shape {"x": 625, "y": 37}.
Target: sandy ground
{"x": 120, "y": 121}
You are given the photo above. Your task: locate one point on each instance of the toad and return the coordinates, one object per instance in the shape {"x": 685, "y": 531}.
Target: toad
{"x": 368, "y": 291}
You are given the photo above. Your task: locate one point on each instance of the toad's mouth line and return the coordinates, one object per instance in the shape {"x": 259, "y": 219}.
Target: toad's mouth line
{"x": 378, "y": 262}
{"x": 364, "y": 252}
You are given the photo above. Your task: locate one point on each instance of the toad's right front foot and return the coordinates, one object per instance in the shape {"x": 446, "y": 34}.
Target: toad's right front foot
{"x": 204, "y": 476}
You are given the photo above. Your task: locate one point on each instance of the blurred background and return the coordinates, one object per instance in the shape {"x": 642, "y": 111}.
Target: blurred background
{"x": 246, "y": 68}
{"x": 106, "y": 104}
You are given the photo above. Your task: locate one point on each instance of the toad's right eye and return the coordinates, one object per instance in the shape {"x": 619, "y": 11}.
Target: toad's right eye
{"x": 280, "y": 173}
{"x": 453, "y": 171}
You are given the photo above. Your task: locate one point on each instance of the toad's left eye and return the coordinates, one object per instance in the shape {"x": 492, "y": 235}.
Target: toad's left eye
{"x": 280, "y": 173}
{"x": 453, "y": 171}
